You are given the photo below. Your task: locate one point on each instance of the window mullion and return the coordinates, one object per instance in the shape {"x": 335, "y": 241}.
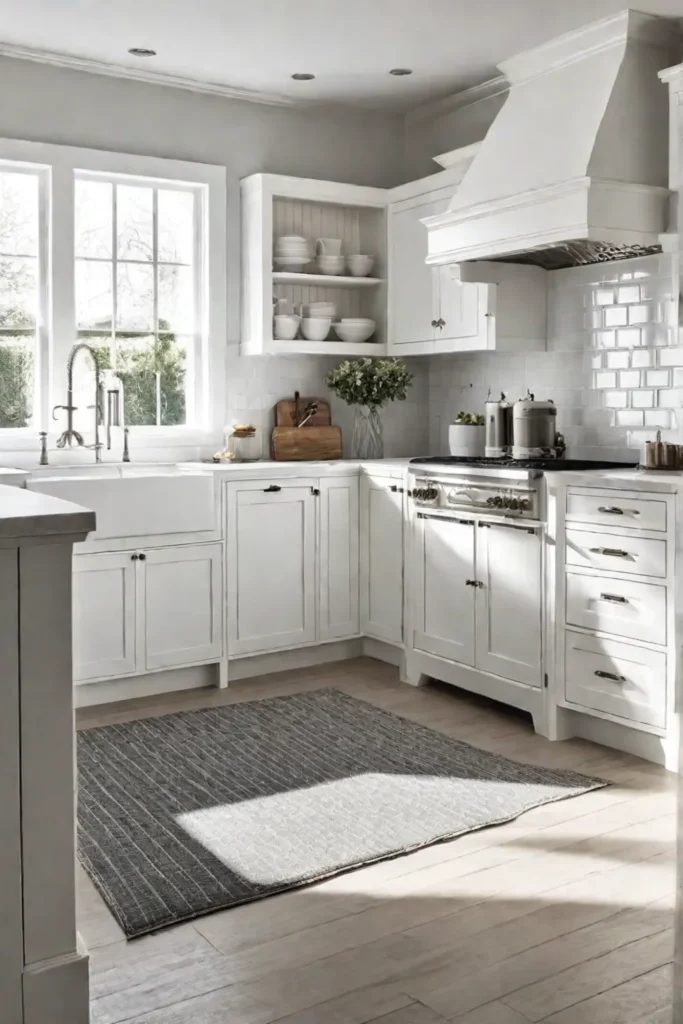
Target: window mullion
{"x": 114, "y": 272}
{"x": 155, "y": 293}
{"x": 62, "y": 293}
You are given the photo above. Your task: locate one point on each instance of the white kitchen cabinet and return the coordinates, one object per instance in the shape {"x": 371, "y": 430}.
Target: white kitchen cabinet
{"x": 444, "y": 595}
{"x": 381, "y": 556}
{"x": 338, "y": 558}
{"x": 473, "y": 307}
{"x": 182, "y": 605}
{"x": 271, "y": 564}
{"x": 139, "y": 611}
{"x": 508, "y": 604}
{"x": 104, "y": 616}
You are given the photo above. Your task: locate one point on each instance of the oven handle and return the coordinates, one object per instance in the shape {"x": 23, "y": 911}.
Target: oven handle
{"x": 507, "y": 526}
{"x": 446, "y": 519}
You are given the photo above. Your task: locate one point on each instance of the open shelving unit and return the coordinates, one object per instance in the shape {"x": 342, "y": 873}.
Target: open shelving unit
{"x": 274, "y": 205}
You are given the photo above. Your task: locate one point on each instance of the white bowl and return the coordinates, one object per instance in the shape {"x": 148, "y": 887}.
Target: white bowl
{"x": 327, "y": 309}
{"x": 364, "y": 320}
{"x": 291, "y": 250}
{"x": 316, "y": 328}
{"x": 357, "y": 333}
{"x": 285, "y": 327}
{"x": 360, "y": 266}
{"x": 292, "y": 240}
{"x": 291, "y": 262}
{"x": 330, "y": 264}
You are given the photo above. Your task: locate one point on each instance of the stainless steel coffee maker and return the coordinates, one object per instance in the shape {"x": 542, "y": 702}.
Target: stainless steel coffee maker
{"x": 498, "y": 418}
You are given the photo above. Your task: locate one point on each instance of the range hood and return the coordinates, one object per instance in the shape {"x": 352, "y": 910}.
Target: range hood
{"x": 574, "y": 169}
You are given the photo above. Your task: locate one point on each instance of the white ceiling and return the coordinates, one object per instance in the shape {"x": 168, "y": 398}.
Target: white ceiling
{"x": 349, "y": 44}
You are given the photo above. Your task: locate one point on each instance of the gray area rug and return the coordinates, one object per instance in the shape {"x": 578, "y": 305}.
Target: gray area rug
{"x": 195, "y": 812}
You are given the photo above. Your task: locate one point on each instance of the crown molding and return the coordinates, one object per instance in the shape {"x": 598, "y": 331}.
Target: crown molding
{"x": 96, "y": 67}
{"x": 446, "y": 105}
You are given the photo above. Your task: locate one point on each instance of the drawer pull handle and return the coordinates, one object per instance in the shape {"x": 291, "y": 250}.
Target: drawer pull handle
{"x": 614, "y": 598}
{"x": 272, "y": 489}
{"x": 614, "y": 552}
{"x": 609, "y": 675}
{"x": 614, "y": 510}
{"x": 473, "y": 583}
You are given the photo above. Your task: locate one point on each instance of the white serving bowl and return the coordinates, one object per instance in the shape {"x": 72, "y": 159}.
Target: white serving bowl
{"x": 327, "y": 309}
{"x": 330, "y": 264}
{"x": 292, "y": 250}
{"x": 353, "y": 332}
{"x": 316, "y": 328}
{"x": 285, "y": 327}
{"x": 364, "y": 320}
{"x": 289, "y": 241}
{"x": 291, "y": 262}
{"x": 360, "y": 266}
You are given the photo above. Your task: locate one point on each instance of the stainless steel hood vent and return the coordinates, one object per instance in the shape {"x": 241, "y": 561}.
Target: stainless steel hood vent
{"x": 574, "y": 169}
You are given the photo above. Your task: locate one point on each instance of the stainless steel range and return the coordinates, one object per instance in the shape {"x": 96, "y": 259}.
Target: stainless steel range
{"x": 510, "y": 488}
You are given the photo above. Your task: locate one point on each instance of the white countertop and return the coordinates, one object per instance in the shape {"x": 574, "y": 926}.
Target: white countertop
{"x": 665, "y": 481}
{"x": 25, "y": 514}
{"x": 268, "y": 467}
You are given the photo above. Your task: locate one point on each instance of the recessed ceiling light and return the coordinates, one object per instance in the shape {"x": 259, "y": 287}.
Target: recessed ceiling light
{"x": 302, "y": 76}
{"x": 401, "y": 71}
{"x": 142, "y": 51}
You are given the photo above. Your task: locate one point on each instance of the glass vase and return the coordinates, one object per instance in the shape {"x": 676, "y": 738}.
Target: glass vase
{"x": 367, "y": 441}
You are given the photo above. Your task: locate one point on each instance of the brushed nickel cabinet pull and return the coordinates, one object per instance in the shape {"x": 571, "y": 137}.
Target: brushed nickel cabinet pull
{"x": 613, "y": 552}
{"x": 614, "y": 598}
{"x": 609, "y": 675}
{"x": 611, "y": 510}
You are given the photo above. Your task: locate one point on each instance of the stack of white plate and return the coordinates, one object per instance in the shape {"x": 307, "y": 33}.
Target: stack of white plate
{"x": 355, "y": 329}
{"x": 291, "y": 252}
{"x": 320, "y": 309}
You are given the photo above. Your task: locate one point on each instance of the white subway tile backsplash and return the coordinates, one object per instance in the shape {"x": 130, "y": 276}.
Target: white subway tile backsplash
{"x": 629, "y": 418}
{"x": 605, "y": 380}
{"x": 617, "y": 360}
{"x": 642, "y": 357}
{"x": 640, "y": 314}
{"x": 628, "y": 293}
{"x": 629, "y": 379}
{"x": 658, "y": 378}
{"x": 604, "y": 339}
{"x": 631, "y": 337}
{"x": 602, "y": 368}
{"x": 605, "y": 297}
{"x": 616, "y": 316}
{"x": 671, "y": 357}
{"x": 658, "y": 418}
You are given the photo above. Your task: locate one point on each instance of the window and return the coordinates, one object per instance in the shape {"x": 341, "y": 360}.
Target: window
{"x": 127, "y": 254}
{"x": 20, "y": 276}
{"x": 138, "y": 261}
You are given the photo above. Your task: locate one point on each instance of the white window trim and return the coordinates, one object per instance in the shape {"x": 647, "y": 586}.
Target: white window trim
{"x": 59, "y": 164}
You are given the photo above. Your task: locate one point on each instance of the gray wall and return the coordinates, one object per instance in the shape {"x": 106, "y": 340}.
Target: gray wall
{"x": 48, "y": 104}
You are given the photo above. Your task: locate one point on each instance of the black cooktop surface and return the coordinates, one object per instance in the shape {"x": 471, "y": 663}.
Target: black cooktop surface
{"x": 549, "y": 465}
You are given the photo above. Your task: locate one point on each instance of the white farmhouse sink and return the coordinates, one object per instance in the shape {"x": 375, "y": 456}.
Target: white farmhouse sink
{"x": 135, "y": 501}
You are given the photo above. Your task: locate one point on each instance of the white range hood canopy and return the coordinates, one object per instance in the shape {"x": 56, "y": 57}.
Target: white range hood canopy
{"x": 574, "y": 168}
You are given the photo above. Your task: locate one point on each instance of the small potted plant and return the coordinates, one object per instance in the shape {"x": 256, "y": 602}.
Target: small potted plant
{"x": 368, "y": 384}
{"x": 467, "y": 436}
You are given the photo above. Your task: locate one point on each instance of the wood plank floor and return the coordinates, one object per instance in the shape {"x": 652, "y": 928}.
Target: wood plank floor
{"x": 564, "y": 915}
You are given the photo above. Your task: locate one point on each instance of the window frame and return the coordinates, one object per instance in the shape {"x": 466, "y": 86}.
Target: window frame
{"x": 59, "y": 166}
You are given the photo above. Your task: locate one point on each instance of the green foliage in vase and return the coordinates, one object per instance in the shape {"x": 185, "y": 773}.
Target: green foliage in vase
{"x": 372, "y": 382}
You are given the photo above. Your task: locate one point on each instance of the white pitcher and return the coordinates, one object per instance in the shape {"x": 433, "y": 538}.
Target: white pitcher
{"x": 328, "y": 246}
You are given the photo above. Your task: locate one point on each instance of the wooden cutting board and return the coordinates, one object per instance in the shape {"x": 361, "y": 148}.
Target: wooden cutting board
{"x": 285, "y": 413}
{"x": 297, "y": 444}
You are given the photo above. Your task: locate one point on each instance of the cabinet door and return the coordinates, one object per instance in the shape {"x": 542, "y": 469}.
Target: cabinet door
{"x": 381, "y": 558}
{"x": 182, "y": 603}
{"x": 412, "y": 286}
{"x": 104, "y": 618}
{"x": 509, "y": 603}
{"x": 463, "y": 309}
{"x": 271, "y": 565}
{"x": 338, "y": 558}
{"x": 443, "y": 600}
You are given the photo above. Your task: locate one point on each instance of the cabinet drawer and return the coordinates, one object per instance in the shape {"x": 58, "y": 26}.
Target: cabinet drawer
{"x": 611, "y": 508}
{"x": 626, "y": 608}
{"x": 616, "y": 552}
{"x": 616, "y": 678}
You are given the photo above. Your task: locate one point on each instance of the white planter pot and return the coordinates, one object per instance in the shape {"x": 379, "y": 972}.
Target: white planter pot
{"x": 466, "y": 439}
